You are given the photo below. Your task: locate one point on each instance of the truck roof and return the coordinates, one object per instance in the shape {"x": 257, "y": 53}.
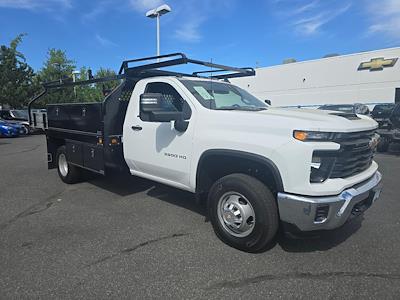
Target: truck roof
{"x": 192, "y": 78}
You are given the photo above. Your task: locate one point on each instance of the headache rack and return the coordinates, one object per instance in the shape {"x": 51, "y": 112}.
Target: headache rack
{"x": 216, "y": 71}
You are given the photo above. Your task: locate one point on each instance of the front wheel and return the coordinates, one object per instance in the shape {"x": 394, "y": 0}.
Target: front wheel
{"x": 243, "y": 212}
{"x": 67, "y": 172}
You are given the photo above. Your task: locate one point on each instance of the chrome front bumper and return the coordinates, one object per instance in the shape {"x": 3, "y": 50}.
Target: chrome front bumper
{"x": 301, "y": 211}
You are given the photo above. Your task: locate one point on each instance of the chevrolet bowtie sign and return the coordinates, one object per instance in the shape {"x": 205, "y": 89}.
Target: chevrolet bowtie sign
{"x": 377, "y": 64}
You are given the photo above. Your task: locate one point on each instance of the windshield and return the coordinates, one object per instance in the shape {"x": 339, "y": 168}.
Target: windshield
{"x": 20, "y": 114}
{"x": 223, "y": 96}
{"x": 384, "y": 107}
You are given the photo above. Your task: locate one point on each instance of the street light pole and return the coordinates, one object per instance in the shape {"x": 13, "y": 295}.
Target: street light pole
{"x": 156, "y": 13}
{"x": 74, "y": 73}
{"x": 158, "y": 36}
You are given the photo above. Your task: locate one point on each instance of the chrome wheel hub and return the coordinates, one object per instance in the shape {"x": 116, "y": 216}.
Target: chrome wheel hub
{"x": 63, "y": 164}
{"x": 236, "y": 214}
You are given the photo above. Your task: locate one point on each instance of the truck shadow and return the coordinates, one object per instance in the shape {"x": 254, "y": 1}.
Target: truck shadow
{"x": 321, "y": 241}
{"x": 125, "y": 185}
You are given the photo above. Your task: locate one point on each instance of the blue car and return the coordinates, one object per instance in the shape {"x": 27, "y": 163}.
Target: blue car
{"x": 8, "y": 129}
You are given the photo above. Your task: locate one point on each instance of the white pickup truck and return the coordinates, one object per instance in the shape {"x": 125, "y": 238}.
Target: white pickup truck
{"x": 257, "y": 167}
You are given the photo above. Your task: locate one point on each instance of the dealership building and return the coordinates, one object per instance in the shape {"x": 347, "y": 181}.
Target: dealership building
{"x": 367, "y": 77}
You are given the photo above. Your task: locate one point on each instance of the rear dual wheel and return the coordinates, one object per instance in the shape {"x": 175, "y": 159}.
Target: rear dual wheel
{"x": 67, "y": 172}
{"x": 243, "y": 212}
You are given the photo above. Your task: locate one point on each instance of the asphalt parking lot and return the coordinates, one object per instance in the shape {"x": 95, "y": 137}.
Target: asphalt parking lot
{"x": 126, "y": 237}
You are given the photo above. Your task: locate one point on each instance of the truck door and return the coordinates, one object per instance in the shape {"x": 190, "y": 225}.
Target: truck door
{"x": 158, "y": 151}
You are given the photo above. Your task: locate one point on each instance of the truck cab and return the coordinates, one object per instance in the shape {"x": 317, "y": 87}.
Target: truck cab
{"x": 255, "y": 167}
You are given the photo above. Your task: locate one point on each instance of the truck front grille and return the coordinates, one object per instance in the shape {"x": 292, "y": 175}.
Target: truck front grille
{"x": 355, "y": 154}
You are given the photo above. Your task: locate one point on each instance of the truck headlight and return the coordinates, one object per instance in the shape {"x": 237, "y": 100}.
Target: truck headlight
{"x": 321, "y": 166}
{"x": 308, "y": 136}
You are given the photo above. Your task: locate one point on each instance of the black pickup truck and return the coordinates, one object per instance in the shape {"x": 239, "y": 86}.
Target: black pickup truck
{"x": 390, "y": 134}
{"x": 381, "y": 114}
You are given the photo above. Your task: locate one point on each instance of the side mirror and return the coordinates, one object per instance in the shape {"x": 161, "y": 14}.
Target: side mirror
{"x": 181, "y": 125}
{"x": 267, "y": 101}
{"x": 150, "y": 102}
{"x": 152, "y": 109}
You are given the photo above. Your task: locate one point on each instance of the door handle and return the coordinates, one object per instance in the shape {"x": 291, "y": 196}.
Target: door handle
{"x": 137, "y": 128}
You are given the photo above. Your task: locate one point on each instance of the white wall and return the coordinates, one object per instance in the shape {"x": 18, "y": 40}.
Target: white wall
{"x": 326, "y": 81}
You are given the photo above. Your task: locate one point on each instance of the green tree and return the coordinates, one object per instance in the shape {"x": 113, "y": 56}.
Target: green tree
{"x": 57, "y": 67}
{"x": 104, "y": 72}
{"x": 107, "y": 86}
{"x": 16, "y": 76}
{"x": 95, "y": 92}
{"x": 85, "y": 93}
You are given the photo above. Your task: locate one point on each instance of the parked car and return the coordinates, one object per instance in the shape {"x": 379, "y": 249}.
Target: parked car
{"x": 381, "y": 113}
{"x": 356, "y": 108}
{"x": 19, "y": 116}
{"x": 255, "y": 167}
{"x": 8, "y": 129}
{"x": 14, "y": 114}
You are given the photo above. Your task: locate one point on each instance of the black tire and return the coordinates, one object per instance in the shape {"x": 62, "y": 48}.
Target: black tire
{"x": 263, "y": 203}
{"x": 383, "y": 145}
{"x": 27, "y": 129}
{"x": 71, "y": 174}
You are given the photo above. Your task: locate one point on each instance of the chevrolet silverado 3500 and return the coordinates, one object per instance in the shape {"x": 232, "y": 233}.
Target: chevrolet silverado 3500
{"x": 257, "y": 167}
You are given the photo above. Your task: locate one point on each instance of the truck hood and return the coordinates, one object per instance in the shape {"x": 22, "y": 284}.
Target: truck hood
{"x": 305, "y": 119}
{"x": 325, "y": 120}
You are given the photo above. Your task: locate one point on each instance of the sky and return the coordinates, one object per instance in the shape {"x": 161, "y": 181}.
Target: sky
{"x": 236, "y": 32}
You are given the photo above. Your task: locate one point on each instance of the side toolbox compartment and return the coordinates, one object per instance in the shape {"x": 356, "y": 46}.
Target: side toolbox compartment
{"x": 86, "y": 155}
{"x": 93, "y": 157}
{"x": 75, "y": 152}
